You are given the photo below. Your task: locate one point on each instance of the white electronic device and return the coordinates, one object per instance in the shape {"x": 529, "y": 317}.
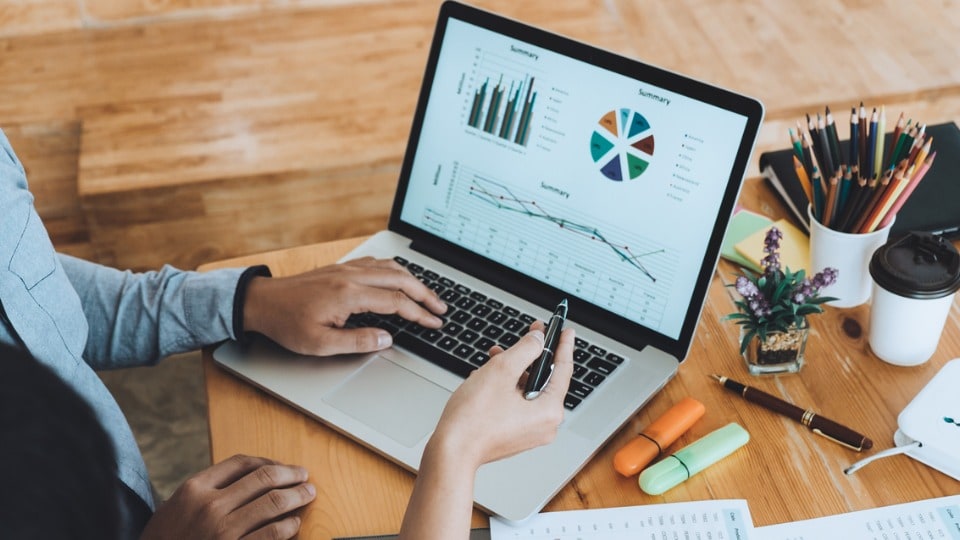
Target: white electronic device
{"x": 929, "y": 426}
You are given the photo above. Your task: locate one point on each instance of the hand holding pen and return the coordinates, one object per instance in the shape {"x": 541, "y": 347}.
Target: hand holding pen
{"x": 487, "y": 418}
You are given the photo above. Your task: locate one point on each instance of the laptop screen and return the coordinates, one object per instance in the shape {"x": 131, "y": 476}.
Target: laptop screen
{"x": 601, "y": 185}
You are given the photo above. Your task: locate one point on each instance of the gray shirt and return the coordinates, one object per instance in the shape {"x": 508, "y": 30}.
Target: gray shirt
{"x": 77, "y": 317}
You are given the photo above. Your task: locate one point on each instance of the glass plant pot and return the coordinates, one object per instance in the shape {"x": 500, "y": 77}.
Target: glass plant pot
{"x": 780, "y": 352}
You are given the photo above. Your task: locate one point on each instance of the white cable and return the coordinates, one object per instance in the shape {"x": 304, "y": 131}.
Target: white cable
{"x": 882, "y": 454}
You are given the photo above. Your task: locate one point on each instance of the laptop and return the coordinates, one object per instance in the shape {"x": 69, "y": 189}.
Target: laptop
{"x": 538, "y": 168}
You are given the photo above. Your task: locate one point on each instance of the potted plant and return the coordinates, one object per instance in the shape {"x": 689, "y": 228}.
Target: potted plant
{"x": 773, "y": 310}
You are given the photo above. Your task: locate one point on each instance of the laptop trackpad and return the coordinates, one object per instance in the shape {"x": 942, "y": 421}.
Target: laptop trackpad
{"x": 392, "y": 400}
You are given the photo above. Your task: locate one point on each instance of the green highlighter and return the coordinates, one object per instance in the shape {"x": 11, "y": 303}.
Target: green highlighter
{"x": 693, "y": 458}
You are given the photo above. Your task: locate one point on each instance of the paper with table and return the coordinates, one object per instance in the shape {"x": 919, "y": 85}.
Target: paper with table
{"x": 730, "y": 520}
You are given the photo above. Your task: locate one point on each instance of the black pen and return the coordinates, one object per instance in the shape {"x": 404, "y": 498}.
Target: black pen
{"x": 541, "y": 370}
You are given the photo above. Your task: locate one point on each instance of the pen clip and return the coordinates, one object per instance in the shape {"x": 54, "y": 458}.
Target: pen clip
{"x": 841, "y": 443}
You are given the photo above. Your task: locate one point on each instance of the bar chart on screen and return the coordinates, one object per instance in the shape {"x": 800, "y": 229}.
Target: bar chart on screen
{"x": 508, "y": 101}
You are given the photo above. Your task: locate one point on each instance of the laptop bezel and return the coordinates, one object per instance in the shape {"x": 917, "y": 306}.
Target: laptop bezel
{"x": 619, "y": 328}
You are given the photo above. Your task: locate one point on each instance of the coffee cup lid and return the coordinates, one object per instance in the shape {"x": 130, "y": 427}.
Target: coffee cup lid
{"x": 918, "y": 265}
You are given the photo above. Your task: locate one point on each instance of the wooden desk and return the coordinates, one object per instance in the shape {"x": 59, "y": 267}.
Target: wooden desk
{"x": 785, "y": 472}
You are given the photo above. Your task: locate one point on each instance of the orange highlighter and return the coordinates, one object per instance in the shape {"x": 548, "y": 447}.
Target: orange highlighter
{"x": 663, "y": 432}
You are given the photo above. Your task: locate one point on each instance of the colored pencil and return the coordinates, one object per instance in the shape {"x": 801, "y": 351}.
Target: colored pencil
{"x": 883, "y": 205}
{"x": 869, "y": 204}
{"x": 817, "y": 182}
{"x": 902, "y": 199}
{"x": 860, "y": 187}
{"x": 833, "y": 189}
{"x": 871, "y": 145}
{"x": 897, "y": 130}
{"x": 804, "y": 179}
{"x": 881, "y": 134}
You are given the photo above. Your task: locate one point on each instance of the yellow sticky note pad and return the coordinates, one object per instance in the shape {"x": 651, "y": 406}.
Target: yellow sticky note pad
{"x": 794, "y": 247}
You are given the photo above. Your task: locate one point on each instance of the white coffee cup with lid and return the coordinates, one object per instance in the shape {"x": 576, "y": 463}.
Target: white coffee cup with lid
{"x": 914, "y": 281}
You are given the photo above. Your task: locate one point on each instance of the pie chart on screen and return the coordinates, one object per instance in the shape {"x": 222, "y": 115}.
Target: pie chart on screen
{"x": 622, "y": 145}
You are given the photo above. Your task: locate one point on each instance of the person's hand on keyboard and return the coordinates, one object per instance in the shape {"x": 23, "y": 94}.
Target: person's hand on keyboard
{"x": 306, "y": 313}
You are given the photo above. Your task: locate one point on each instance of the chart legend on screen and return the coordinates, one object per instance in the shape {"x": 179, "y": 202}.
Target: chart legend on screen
{"x": 622, "y": 145}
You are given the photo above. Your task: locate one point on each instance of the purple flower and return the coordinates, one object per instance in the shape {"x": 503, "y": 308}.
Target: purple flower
{"x": 771, "y": 245}
{"x": 747, "y": 288}
{"x": 756, "y": 303}
{"x": 825, "y": 278}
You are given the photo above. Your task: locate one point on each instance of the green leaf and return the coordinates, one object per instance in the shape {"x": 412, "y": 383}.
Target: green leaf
{"x": 745, "y": 342}
{"x": 803, "y": 311}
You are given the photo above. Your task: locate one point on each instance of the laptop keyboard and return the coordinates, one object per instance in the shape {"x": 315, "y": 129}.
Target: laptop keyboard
{"x": 475, "y": 322}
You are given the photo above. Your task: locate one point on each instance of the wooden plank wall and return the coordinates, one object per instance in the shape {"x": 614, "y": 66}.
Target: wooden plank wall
{"x": 202, "y": 129}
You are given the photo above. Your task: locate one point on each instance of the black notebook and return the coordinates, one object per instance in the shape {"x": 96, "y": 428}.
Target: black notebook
{"x": 933, "y": 207}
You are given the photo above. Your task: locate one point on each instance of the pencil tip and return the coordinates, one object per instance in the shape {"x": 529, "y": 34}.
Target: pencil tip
{"x": 717, "y": 377}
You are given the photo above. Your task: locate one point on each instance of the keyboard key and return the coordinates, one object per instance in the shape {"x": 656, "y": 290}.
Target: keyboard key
{"x": 593, "y": 378}
{"x": 465, "y": 302}
{"x": 446, "y": 282}
{"x": 468, "y": 337}
{"x": 479, "y": 358}
{"x": 481, "y": 310}
{"x": 430, "y": 274}
{"x": 400, "y": 260}
{"x": 511, "y": 311}
{"x": 463, "y": 351}
{"x": 447, "y": 343}
{"x": 514, "y": 325}
{"x": 431, "y": 335}
{"x": 414, "y": 268}
{"x": 527, "y": 318}
{"x": 602, "y": 366}
{"x": 451, "y": 329}
{"x": 497, "y": 317}
{"x": 599, "y": 351}
{"x": 484, "y": 344}
{"x": 580, "y": 343}
{"x": 478, "y": 296}
{"x": 462, "y": 289}
{"x": 580, "y": 356}
{"x": 579, "y": 389}
{"x": 579, "y": 371}
{"x": 460, "y": 316}
{"x": 450, "y": 296}
{"x": 615, "y": 358}
{"x": 437, "y": 287}
{"x": 492, "y": 332}
{"x": 414, "y": 329}
{"x": 477, "y": 324}
{"x": 571, "y": 402}
{"x": 495, "y": 304}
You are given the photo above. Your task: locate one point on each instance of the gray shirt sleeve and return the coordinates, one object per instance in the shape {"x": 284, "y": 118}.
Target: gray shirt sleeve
{"x": 136, "y": 319}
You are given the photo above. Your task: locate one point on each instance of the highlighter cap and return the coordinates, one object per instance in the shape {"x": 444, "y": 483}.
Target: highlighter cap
{"x": 693, "y": 458}
{"x": 663, "y": 432}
